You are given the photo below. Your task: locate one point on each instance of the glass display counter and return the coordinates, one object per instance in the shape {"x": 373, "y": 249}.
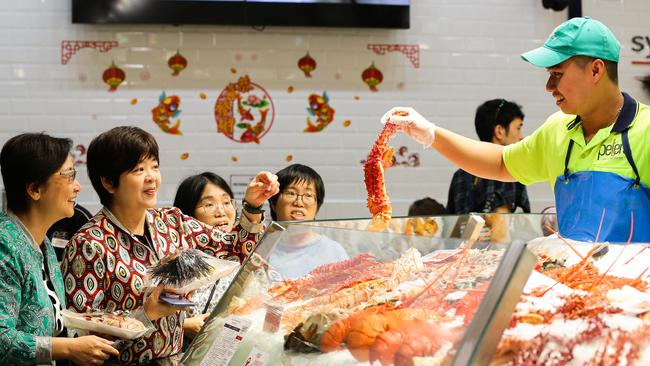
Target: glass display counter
{"x": 428, "y": 290}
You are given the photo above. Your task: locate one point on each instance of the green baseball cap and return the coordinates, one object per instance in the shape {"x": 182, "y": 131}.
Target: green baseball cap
{"x": 576, "y": 37}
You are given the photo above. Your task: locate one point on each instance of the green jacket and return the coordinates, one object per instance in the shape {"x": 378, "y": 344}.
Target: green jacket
{"x": 26, "y": 314}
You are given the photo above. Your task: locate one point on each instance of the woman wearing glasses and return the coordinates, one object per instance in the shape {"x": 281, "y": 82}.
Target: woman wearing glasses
{"x": 302, "y": 193}
{"x": 208, "y": 198}
{"x": 110, "y": 255}
{"x": 39, "y": 179}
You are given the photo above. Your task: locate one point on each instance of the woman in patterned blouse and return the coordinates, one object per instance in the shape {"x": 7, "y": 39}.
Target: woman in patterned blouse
{"x": 39, "y": 179}
{"x": 105, "y": 262}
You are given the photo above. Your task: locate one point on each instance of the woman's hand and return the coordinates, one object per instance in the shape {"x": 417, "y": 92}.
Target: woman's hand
{"x": 264, "y": 186}
{"x": 156, "y": 309}
{"x": 86, "y": 350}
{"x": 192, "y": 325}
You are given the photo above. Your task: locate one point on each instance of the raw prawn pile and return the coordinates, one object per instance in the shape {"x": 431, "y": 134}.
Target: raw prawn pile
{"x": 386, "y": 312}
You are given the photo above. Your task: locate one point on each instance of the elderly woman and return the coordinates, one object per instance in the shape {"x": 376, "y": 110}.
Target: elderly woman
{"x": 110, "y": 255}
{"x": 39, "y": 179}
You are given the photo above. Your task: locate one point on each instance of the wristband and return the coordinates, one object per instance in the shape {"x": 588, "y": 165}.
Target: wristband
{"x": 252, "y": 209}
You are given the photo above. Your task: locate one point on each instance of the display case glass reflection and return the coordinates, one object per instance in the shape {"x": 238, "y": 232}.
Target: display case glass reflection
{"x": 330, "y": 292}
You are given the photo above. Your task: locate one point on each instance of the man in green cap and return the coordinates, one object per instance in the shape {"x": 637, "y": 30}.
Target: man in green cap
{"x": 591, "y": 151}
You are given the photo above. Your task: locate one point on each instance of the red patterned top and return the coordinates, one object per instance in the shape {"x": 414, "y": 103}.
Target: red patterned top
{"x": 104, "y": 266}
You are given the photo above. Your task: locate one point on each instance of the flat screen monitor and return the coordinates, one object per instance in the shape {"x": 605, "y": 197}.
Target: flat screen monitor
{"x": 319, "y": 13}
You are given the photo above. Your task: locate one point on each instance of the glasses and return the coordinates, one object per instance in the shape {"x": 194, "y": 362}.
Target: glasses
{"x": 70, "y": 174}
{"x": 209, "y": 208}
{"x": 307, "y": 198}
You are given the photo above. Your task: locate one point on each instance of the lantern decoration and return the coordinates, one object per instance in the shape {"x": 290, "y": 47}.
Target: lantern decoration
{"x": 372, "y": 77}
{"x": 177, "y": 63}
{"x": 185, "y": 156}
{"x": 163, "y": 113}
{"x": 113, "y": 76}
{"x": 289, "y": 158}
{"x": 347, "y": 123}
{"x": 320, "y": 109}
{"x": 307, "y": 64}
{"x": 134, "y": 101}
{"x": 203, "y": 96}
{"x": 290, "y": 89}
{"x": 234, "y": 158}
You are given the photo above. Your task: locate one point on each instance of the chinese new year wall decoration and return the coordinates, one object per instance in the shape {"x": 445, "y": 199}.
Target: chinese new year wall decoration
{"x": 320, "y": 109}
{"x": 403, "y": 158}
{"x": 244, "y": 111}
{"x": 372, "y": 77}
{"x": 307, "y": 64}
{"x": 113, "y": 77}
{"x": 79, "y": 155}
{"x": 177, "y": 63}
{"x": 163, "y": 113}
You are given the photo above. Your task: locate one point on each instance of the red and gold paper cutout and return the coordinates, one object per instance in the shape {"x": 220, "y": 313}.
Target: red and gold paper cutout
{"x": 163, "y": 113}
{"x": 177, "y": 63}
{"x": 320, "y": 109}
{"x": 372, "y": 77}
{"x": 411, "y": 51}
{"x": 69, "y": 48}
{"x": 307, "y": 64}
{"x": 243, "y": 110}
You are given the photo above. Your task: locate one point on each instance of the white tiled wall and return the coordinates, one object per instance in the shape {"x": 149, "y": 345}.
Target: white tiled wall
{"x": 469, "y": 53}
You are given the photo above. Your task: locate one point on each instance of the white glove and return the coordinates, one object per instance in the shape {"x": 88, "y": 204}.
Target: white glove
{"x": 411, "y": 123}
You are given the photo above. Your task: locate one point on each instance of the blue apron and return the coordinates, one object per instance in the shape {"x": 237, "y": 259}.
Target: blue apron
{"x": 582, "y": 197}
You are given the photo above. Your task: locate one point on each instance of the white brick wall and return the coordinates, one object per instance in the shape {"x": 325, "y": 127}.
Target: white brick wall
{"x": 469, "y": 53}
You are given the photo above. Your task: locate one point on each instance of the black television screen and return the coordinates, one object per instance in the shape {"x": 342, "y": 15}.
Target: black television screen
{"x": 320, "y": 13}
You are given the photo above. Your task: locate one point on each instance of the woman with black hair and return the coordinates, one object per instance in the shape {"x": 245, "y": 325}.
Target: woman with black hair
{"x": 41, "y": 187}
{"x": 110, "y": 255}
{"x": 208, "y": 198}
{"x": 302, "y": 193}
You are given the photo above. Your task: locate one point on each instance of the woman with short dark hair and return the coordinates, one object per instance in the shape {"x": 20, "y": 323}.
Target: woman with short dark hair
{"x": 41, "y": 187}
{"x": 302, "y": 193}
{"x": 208, "y": 198}
{"x": 110, "y": 255}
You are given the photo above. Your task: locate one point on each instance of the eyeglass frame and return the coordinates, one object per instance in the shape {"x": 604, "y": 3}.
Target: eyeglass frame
{"x": 302, "y": 197}
{"x": 70, "y": 174}
{"x": 232, "y": 201}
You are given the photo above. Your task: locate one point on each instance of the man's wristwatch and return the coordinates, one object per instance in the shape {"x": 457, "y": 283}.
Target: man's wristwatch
{"x": 252, "y": 209}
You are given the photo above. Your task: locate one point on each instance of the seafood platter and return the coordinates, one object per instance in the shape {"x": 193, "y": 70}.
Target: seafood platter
{"x": 399, "y": 299}
{"x": 116, "y": 324}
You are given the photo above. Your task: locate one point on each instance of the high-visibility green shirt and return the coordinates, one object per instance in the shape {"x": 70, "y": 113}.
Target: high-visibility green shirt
{"x": 540, "y": 157}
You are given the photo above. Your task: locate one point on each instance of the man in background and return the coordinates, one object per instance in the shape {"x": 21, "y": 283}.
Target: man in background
{"x": 500, "y": 122}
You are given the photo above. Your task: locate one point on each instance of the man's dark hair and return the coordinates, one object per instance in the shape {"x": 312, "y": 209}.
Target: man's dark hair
{"x": 298, "y": 173}
{"x": 495, "y": 112}
{"x": 190, "y": 190}
{"x": 610, "y": 66}
{"x": 426, "y": 207}
{"x": 117, "y": 151}
{"x": 30, "y": 158}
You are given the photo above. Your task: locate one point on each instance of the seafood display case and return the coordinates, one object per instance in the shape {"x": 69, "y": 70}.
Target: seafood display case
{"x": 425, "y": 290}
